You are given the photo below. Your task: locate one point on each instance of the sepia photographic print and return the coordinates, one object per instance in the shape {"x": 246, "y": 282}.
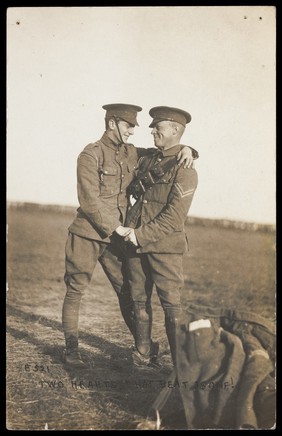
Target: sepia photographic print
{"x": 141, "y": 218}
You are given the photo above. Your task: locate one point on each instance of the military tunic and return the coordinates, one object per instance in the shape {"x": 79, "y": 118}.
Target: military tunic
{"x": 165, "y": 206}
{"x": 104, "y": 170}
{"x": 161, "y": 234}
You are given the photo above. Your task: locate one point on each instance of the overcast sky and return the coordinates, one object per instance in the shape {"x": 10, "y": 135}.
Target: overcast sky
{"x": 218, "y": 63}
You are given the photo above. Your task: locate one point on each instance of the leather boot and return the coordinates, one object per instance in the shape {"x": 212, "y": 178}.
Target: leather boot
{"x": 172, "y": 326}
{"x": 72, "y": 356}
{"x": 143, "y": 328}
{"x": 146, "y": 350}
{"x": 150, "y": 359}
{"x": 127, "y": 311}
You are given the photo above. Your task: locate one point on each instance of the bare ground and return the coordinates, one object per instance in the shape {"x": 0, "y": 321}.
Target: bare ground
{"x": 224, "y": 267}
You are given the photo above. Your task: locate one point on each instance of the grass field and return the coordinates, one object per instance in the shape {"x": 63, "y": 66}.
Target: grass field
{"x": 224, "y": 267}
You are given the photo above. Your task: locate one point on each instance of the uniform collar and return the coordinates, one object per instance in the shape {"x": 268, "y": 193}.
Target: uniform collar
{"x": 108, "y": 142}
{"x": 173, "y": 151}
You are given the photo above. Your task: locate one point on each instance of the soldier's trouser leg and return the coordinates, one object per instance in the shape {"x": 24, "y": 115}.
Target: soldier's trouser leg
{"x": 141, "y": 285}
{"x": 167, "y": 274}
{"x": 113, "y": 264}
{"x": 81, "y": 258}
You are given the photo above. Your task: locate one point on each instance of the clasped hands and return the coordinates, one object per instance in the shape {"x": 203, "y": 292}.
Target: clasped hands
{"x": 128, "y": 234}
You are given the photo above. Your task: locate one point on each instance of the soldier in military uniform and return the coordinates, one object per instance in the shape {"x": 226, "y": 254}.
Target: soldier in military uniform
{"x": 104, "y": 170}
{"x": 164, "y": 192}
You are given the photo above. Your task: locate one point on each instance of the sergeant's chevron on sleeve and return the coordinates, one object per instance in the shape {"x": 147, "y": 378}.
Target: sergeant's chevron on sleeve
{"x": 182, "y": 192}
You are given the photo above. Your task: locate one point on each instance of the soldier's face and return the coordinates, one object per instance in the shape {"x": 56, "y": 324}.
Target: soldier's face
{"x": 164, "y": 135}
{"x": 126, "y": 130}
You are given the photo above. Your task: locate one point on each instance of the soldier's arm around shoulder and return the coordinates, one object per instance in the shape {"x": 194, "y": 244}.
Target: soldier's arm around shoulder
{"x": 142, "y": 151}
{"x": 148, "y": 151}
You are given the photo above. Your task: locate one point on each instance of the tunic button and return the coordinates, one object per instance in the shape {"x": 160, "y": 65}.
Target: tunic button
{"x": 122, "y": 176}
{"x": 145, "y": 201}
{"x": 117, "y": 152}
{"x": 159, "y": 159}
{"x": 106, "y": 172}
{"x": 121, "y": 163}
{"x": 121, "y": 190}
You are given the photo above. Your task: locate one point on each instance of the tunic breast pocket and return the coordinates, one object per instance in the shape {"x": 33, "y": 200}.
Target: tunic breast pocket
{"x": 109, "y": 180}
{"x": 160, "y": 191}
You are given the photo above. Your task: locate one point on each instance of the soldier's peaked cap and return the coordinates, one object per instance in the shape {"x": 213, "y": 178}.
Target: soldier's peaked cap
{"x": 127, "y": 112}
{"x": 165, "y": 113}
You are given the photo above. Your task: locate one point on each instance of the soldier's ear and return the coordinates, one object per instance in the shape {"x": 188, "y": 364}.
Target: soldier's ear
{"x": 175, "y": 129}
{"x": 111, "y": 124}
